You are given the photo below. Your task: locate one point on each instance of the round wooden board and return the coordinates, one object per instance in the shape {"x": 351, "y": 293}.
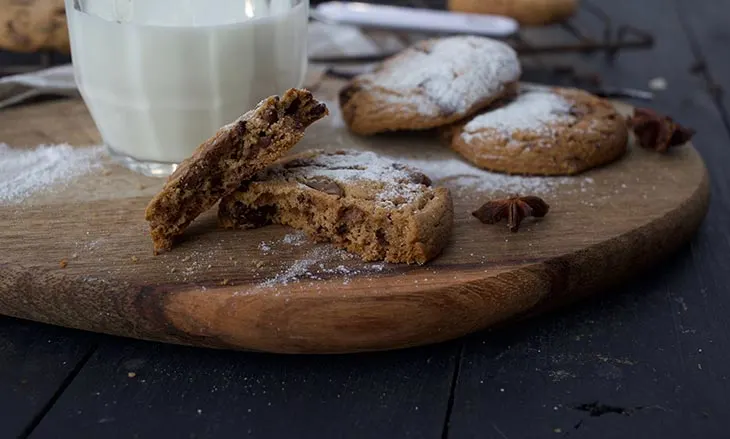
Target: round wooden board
{"x": 272, "y": 290}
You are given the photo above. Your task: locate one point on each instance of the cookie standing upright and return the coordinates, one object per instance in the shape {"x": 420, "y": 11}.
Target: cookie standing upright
{"x": 235, "y": 153}
{"x": 433, "y": 83}
{"x": 369, "y": 205}
{"x": 554, "y": 131}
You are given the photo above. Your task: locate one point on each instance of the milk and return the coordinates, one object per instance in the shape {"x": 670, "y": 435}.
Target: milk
{"x": 161, "y": 76}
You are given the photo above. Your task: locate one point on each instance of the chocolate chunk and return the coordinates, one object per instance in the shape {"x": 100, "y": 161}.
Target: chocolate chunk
{"x": 294, "y": 106}
{"x": 326, "y": 185}
{"x": 318, "y": 110}
{"x": 380, "y": 236}
{"x": 241, "y": 128}
{"x": 250, "y": 217}
{"x": 270, "y": 116}
{"x": 419, "y": 178}
{"x": 263, "y": 142}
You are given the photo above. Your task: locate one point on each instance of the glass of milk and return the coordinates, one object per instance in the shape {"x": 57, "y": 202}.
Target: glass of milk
{"x": 161, "y": 76}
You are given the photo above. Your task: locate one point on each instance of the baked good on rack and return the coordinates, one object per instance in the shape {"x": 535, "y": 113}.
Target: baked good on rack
{"x": 433, "y": 83}
{"x": 555, "y": 131}
{"x": 33, "y": 25}
{"x": 529, "y": 12}
{"x": 371, "y": 206}
{"x": 235, "y": 153}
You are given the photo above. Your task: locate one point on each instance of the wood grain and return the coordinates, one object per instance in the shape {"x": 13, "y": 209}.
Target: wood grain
{"x": 224, "y": 394}
{"x": 223, "y": 289}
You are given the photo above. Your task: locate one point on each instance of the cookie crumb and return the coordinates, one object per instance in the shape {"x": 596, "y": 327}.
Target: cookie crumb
{"x": 134, "y": 259}
{"x": 658, "y": 84}
{"x": 63, "y": 263}
{"x": 224, "y": 282}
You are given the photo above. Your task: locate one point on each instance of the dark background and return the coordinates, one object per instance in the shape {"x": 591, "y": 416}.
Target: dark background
{"x": 650, "y": 359}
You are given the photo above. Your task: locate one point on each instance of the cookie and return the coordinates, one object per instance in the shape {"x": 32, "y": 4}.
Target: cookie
{"x": 554, "y": 131}
{"x": 431, "y": 84}
{"x": 33, "y": 25}
{"x": 368, "y": 205}
{"x": 235, "y": 153}
{"x": 526, "y": 12}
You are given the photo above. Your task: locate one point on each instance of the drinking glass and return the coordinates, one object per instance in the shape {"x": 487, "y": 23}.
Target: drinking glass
{"x": 161, "y": 76}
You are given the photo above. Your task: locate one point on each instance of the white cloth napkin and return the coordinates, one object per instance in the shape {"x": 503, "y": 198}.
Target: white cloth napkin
{"x": 323, "y": 39}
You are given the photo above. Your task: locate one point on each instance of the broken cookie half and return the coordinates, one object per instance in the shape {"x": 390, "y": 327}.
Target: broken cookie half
{"x": 234, "y": 154}
{"x": 371, "y": 206}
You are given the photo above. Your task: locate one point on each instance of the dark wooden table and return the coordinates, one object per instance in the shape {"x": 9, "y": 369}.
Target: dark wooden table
{"x": 650, "y": 359}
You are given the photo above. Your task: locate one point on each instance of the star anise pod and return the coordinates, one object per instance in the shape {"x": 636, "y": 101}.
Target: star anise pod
{"x": 656, "y": 131}
{"x": 515, "y": 209}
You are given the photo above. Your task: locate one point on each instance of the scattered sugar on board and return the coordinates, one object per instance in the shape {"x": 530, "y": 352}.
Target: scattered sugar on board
{"x": 24, "y": 172}
{"x": 296, "y": 239}
{"x": 532, "y": 111}
{"x": 453, "y": 172}
{"x": 322, "y": 261}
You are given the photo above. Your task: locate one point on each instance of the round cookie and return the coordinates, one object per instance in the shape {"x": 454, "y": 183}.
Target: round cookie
{"x": 527, "y": 12}
{"x": 431, "y": 84}
{"x": 553, "y": 131}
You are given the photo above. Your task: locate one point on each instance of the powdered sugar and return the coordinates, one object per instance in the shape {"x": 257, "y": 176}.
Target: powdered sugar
{"x": 24, "y": 172}
{"x": 322, "y": 262}
{"x": 295, "y": 239}
{"x": 395, "y": 182}
{"x": 533, "y": 110}
{"x": 458, "y": 174}
{"x": 446, "y": 75}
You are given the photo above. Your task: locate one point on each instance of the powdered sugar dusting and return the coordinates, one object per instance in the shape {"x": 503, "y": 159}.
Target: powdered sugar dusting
{"x": 394, "y": 179}
{"x": 533, "y": 110}
{"x": 295, "y": 239}
{"x": 458, "y": 174}
{"x": 321, "y": 262}
{"x": 452, "y": 74}
{"x": 24, "y": 172}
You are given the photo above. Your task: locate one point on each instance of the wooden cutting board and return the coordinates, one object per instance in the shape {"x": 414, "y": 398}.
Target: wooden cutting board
{"x": 273, "y": 290}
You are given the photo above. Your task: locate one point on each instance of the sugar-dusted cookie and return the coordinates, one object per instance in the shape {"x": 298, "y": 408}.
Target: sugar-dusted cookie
{"x": 554, "y": 131}
{"x": 361, "y": 202}
{"x": 433, "y": 83}
{"x": 235, "y": 153}
{"x": 529, "y": 12}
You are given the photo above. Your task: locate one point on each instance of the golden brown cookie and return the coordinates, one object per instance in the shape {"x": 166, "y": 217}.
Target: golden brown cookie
{"x": 431, "y": 84}
{"x": 361, "y": 202}
{"x": 529, "y": 12}
{"x": 33, "y": 25}
{"x": 554, "y": 131}
{"x": 235, "y": 153}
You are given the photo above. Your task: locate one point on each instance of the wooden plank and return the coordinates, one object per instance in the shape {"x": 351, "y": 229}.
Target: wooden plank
{"x": 657, "y": 353}
{"x": 37, "y": 362}
{"x": 185, "y": 392}
{"x": 705, "y": 23}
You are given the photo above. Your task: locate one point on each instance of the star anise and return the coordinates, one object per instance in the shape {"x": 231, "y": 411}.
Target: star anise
{"x": 656, "y": 131}
{"x": 515, "y": 209}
